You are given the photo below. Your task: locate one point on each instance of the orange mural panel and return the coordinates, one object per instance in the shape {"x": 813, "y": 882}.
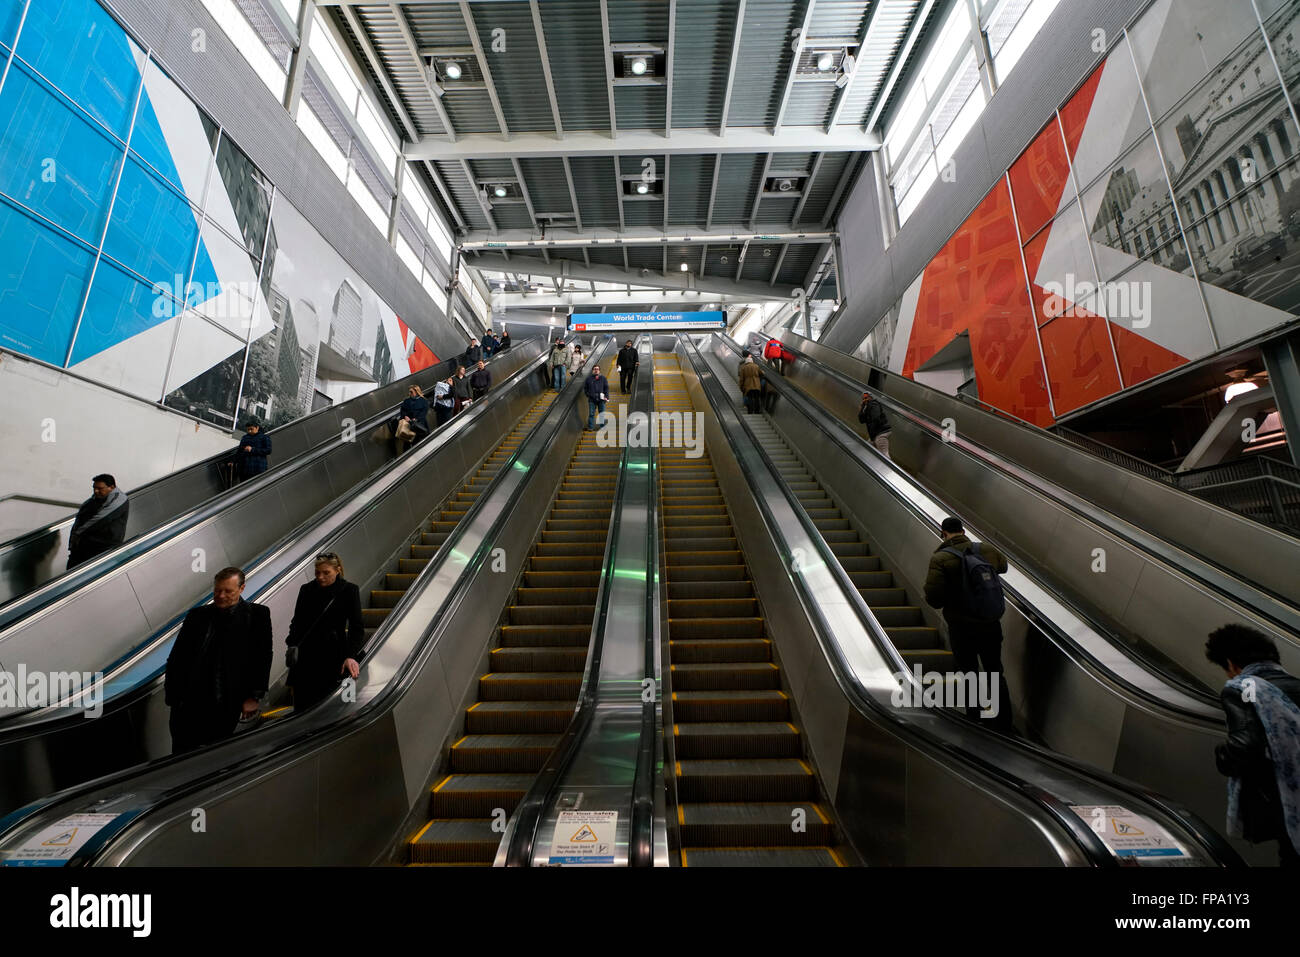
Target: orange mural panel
{"x": 977, "y": 283}
{"x": 1140, "y": 358}
{"x": 1080, "y": 368}
{"x": 1074, "y": 115}
{"x": 1038, "y": 180}
{"x": 421, "y": 356}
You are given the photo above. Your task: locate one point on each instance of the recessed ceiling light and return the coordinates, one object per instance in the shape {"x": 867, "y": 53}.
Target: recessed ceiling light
{"x": 500, "y": 191}
{"x": 826, "y": 61}
{"x": 683, "y": 267}
{"x": 452, "y": 70}
{"x": 643, "y": 188}
{"x": 639, "y": 65}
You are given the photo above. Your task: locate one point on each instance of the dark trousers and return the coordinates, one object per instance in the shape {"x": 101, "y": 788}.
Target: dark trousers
{"x": 625, "y": 379}
{"x": 443, "y": 414}
{"x": 777, "y": 364}
{"x": 309, "y": 689}
{"x": 193, "y": 727}
{"x": 977, "y": 647}
{"x": 479, "y": 393}
{"x": 753, "y": 399}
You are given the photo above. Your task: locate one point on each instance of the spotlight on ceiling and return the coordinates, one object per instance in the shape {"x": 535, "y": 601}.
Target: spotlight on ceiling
{"x": 643, "y": 187}
{"x": 452, "y": 70}
{"x": 683, "y": 267}
{"x": 638, "y": 65}
{"x": 500, "y": 191}
{"x": 784, "y": 185}
{"x": 826, "y": 61}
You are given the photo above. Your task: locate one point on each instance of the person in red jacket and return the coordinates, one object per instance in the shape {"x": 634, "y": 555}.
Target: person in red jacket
{"x": 772, "y": 353}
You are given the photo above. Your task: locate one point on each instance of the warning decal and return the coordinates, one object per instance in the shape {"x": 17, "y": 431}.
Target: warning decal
{"x": 584, "y": 837}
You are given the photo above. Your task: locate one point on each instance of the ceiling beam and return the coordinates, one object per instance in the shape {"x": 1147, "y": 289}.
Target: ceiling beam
{"x": 483, "y": 204}
{"x": 740, "y": 260}
{"x": 545, "y": 57}
{"x": 807, "y": 188}
{"x": 758, "y": 196}
{"x": 636, "y": 236}
{"x": 913, "y": 32}
{"x": 747, "y": 139}
{"x": 713, "y": 190}
{"x": 731, "y": 69}
{"x": 667, "y": 162}
{"x": 668, "y": 80}
{"x": 523, "y": 188}
{"x": 404, "y": 27}
{"x": 609, "y": 67}
{"x": 618, "y": 191}
{"x": 704, "y": 258}
{"x": 794, "y": 63}
{"x": 573, "y": 193}
{"x": 472, "y": 30}
{"x": 776, "y": 270}
{"x": 864, "y": 38}
{"x": 492, "y": 262}
{"x": 845, "y": 176}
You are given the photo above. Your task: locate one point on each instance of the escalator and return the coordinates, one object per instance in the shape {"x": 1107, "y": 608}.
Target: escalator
{"x": 423, "y": 550}
{"x": 524, "y": 702}
{"x": 919, "y": 642}
{"x": 747, "y": 795}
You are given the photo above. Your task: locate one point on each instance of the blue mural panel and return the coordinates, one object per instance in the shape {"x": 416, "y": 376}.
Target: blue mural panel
{"x": 43, "y": 277}
{"x": 119, "y": 306}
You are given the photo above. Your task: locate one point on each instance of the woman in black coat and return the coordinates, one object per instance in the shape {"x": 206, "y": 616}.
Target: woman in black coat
{"x": 415, "y": 411}
{"x": 253, "y": 450}
{"x": 327, "y": 631}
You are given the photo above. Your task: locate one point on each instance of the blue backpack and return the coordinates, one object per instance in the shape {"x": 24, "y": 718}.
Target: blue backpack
{"x": 981, "y": 588}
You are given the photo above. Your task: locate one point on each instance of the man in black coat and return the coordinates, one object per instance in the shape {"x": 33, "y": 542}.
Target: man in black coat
{"x": 1249, "y": 754}
{"x": 100, "y": 525}
{"x": 480, "y": 380}
{"x": 219, "y": 665}
{"x": 253, "y": 450}
{"x": 473, "y": 353}
{"x": 460, "y": 390}
{"x": 628, "y": 360}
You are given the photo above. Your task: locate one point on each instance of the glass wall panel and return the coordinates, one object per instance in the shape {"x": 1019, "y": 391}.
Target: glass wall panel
{"x": 174, "y": 136}
{"x": 205, "y": 373}
{"x": 243, "y": 207}
{"x": 43, "y": 276}
{"x": 1107, "y": 122}
{"x": 152, "y": 230}
{"x": 1128, "y": 210}
{"x": 11, "y": 14}
{"x": 79, "y": 48}
{"x": 52, "y": 159}
{"x": 120, "y": 308}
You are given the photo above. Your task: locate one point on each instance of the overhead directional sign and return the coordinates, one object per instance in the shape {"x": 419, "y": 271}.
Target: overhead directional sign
{"x": 643, "y": 321}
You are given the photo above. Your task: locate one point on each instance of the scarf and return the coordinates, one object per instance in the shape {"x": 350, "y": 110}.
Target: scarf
{"x": 116, "y": 499}
{"x": 1281, "y": 720}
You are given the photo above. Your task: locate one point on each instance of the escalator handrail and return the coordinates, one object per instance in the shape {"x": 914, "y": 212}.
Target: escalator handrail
{"x": 276, "y": 568}
{"x": 281, "y": 747}
{"x": 521, "y": 837}
{"x": 86, "y": 572}
{"x": 1224, "y": 581}
{"x": 1055, "y": 632}
{"x": 864, "y": 702}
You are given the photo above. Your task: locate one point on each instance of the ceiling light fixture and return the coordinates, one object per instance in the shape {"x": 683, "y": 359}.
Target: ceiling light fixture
{"x": 826, "y": 61}
{"x": 452, "y": 70}
{"x": 784, "y": 185}
{"x": 684, "y": 267}
{"x": 643, "y": 188}
{"x": 500, "y": 191}
{"x": 639, "y": 66}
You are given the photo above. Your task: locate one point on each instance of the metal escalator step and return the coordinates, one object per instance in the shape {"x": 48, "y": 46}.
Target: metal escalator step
{"x": 731, "y": 572}
{"x": 753, "y": 779}
{"x": 900, "y": 616}
{"x": 385, "y": 598}
{"x": 730, "y": 676}
{"x": 424, "y": 551}
{"x": 539, "y": 658}
{"x": 737, "y": 739}
{"x": 501, "y": 753}
{"x": 930, "y": 659}
{"x": 433, "y": 538}
{"x": 686, "y": 540}
{"x": 517, "y": 717}
{"x": 878, "y": 597}
{"x": 557, "y": 536}
{"x": 565, "y": 563}
{"x": 715, "y": 627}
{"x": 557, "y": 549}
{"x": 455, "y": 841}
{"x": 547, "y": 636}
{"x": 755, "y": 824}
{"x": 477, "y": 795}
{"x": 703, "y": 558}
{"x": 411, "y": 566}
{"x": 712, "y": 607}
{"x": 839, "y": 536}
{"x": 701, "y": 528}
{"x": 829, "y": 524}
{"x": 556, "y": 596}
{"x": 532, "y": 686}
{"x": 760, "y": 857}
{"x": 844, "y": 550}
{"x": 582, "y": 581}
{"x": 551, "y": 614}
{"x": 717, "y": 650}
{"x": 374, "y": 617}
{"x": 399, "y": 581}
{"x": 438, "y": 525}
{"x": 710, "y": 589}
{"x": 577, "y": 524}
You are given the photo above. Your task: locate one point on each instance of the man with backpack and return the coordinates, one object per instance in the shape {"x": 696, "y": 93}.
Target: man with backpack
{"x": 963, "y": 581}
{"x": 872, "y": 414}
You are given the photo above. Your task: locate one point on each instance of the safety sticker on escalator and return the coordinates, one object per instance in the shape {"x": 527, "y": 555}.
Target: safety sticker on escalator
{"x": 55, "y": 845}
{"x": 1130, "y": 835}
{"x": 584, "y": 837}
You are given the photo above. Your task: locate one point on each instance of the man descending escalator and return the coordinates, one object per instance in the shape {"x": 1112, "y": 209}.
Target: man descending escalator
{"x": 628, "y": 360}
{"x": 1261, "y": 756}
{"x": 963, "y": 581}
{"x": 219, "y": 665}
{"x": 100, "y": 525}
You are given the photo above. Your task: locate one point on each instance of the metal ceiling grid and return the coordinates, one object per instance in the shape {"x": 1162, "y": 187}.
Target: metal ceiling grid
{"x": 594, "y": 183}
{"x": 738, "y": 181}
{"x": 822, "y": 187}
{"x": 576, "y": 52}
{"x": 514, "y": 63}
{"x": 547, "y": 185}
{"x": 886, "y": 32}
{"x": 764, "y": 61}
{"x": 702, "y": 48}
{"x": 384, "y": 36}
{"x": 688, "y": 197}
